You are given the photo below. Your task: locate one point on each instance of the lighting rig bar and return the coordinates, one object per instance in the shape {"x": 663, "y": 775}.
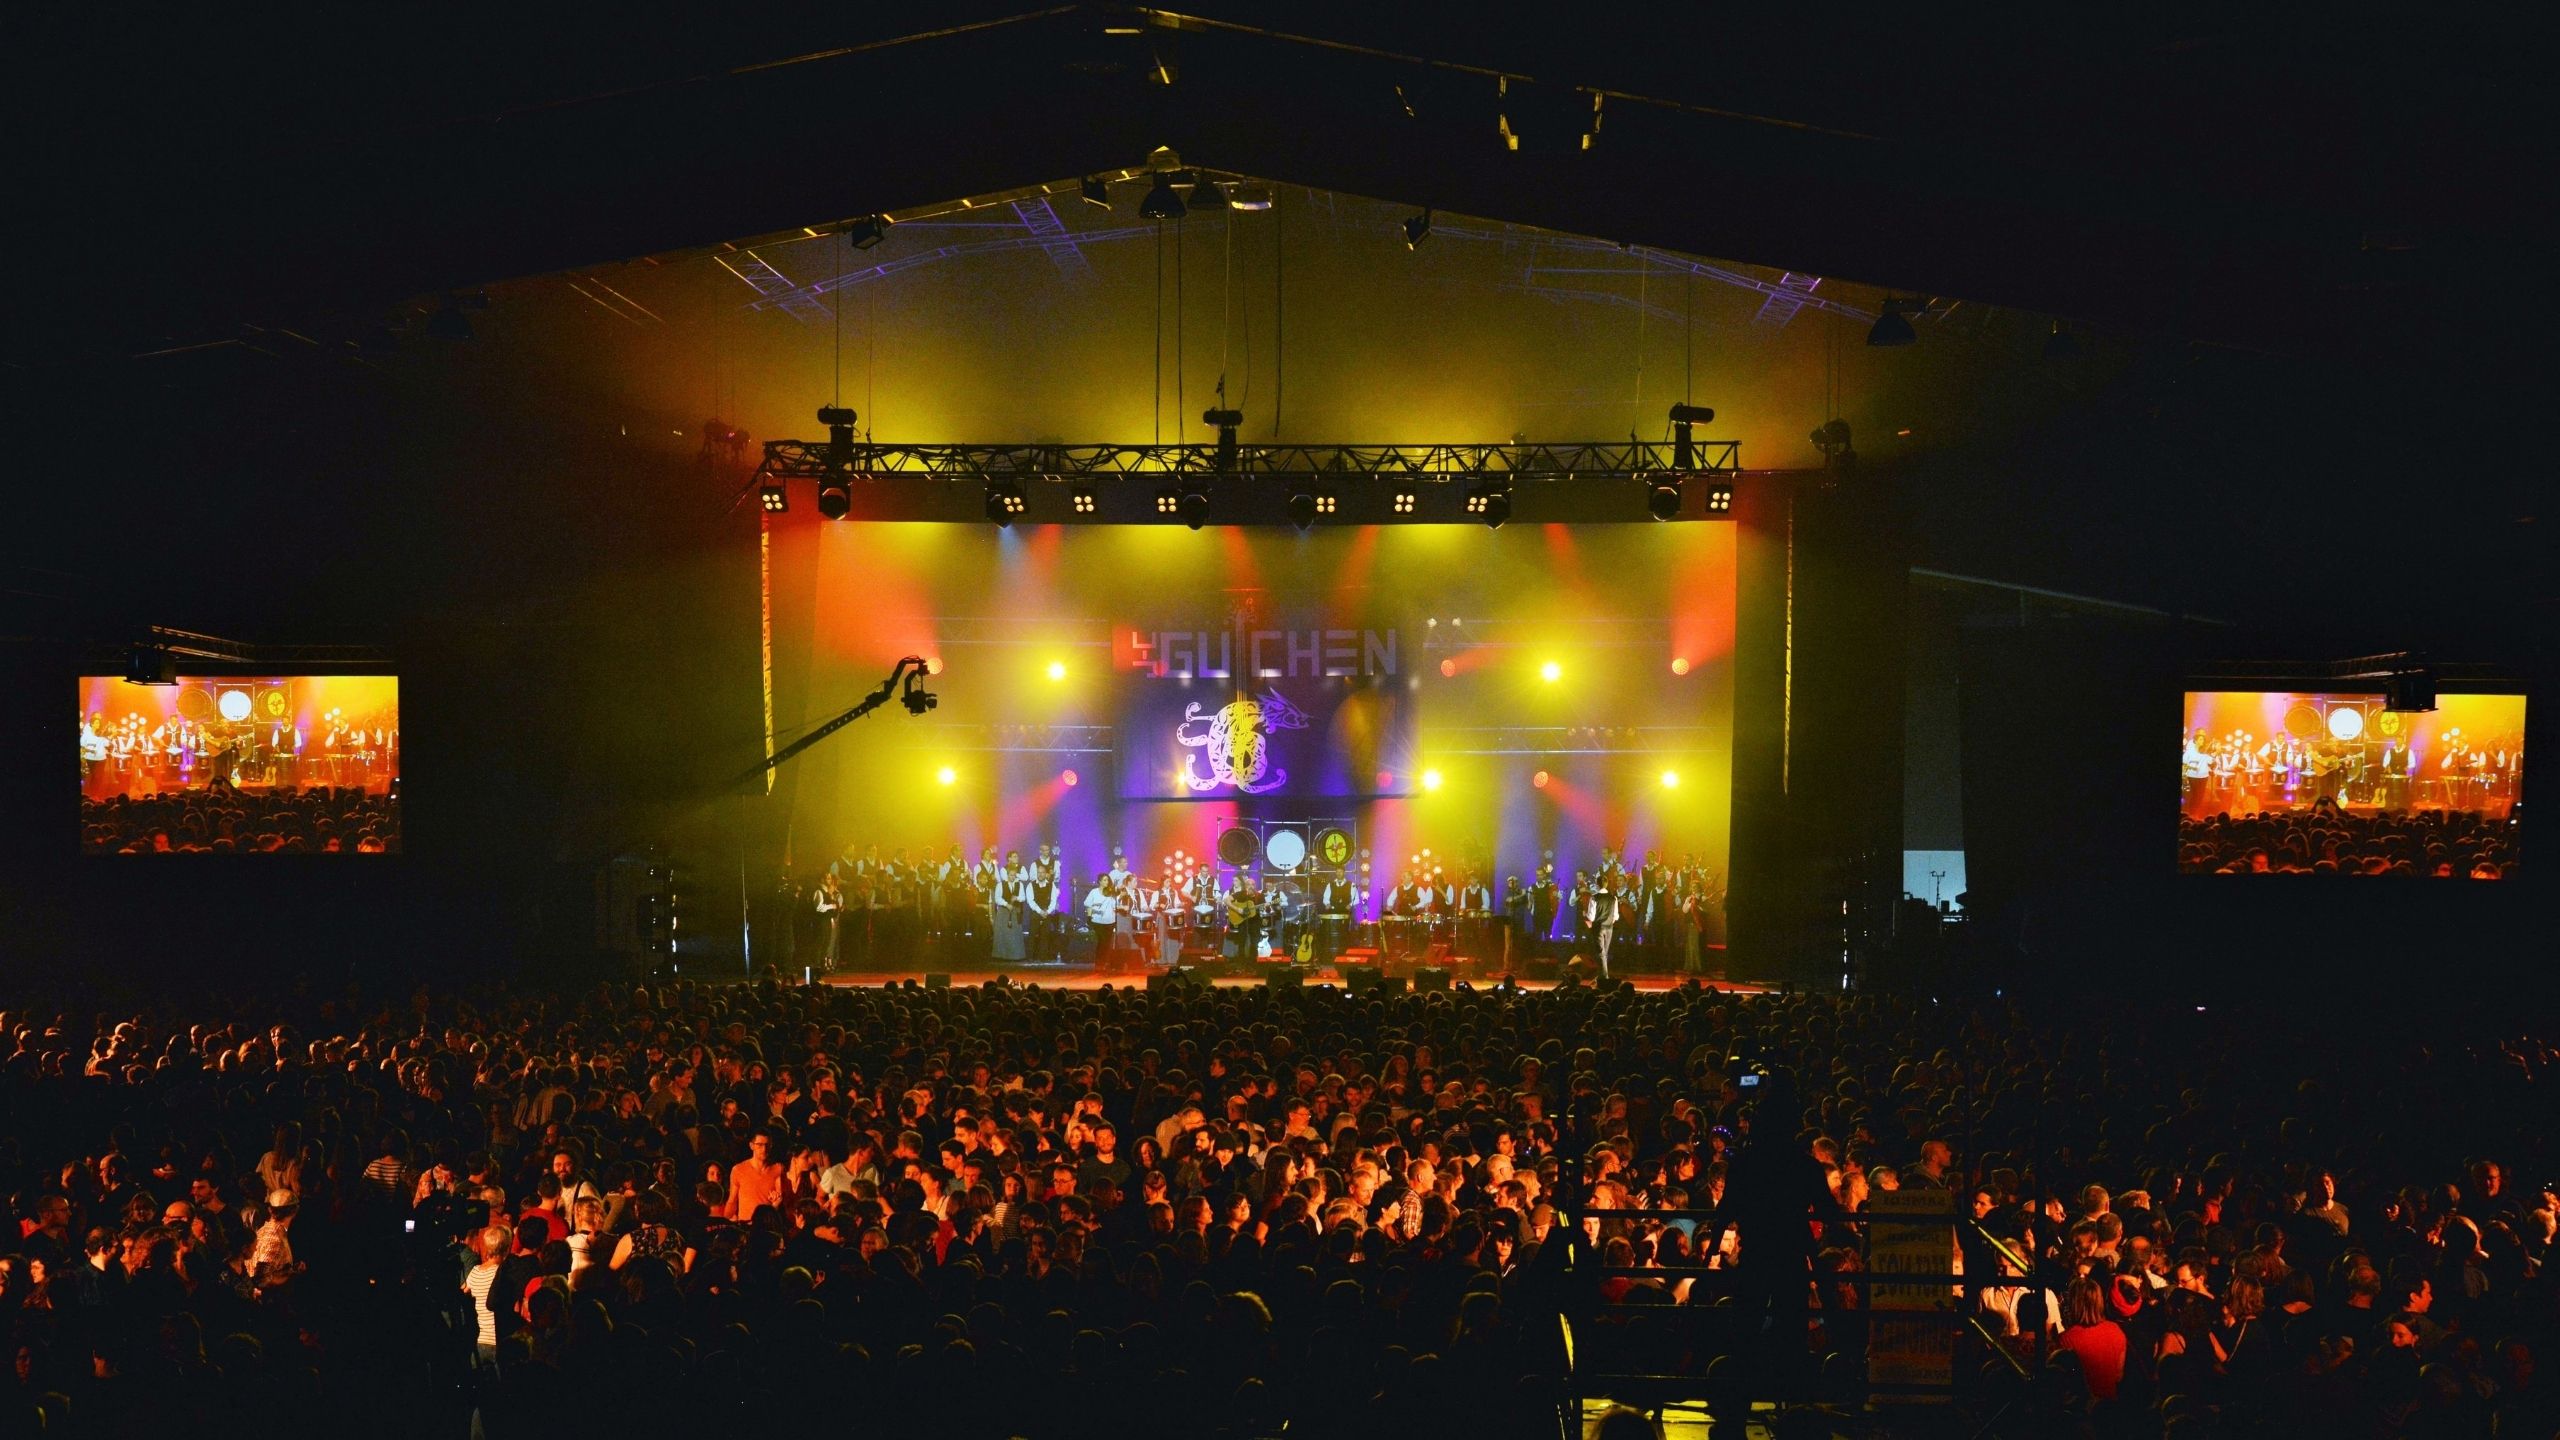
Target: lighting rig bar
{"x": 1229, "y": 483}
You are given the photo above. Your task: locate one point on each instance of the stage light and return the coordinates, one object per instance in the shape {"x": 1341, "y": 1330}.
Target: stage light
{"x": 1719, "y": 497}
{"x": 1302, "y": 509}
{"x": 1005, "y": 501}
{"x": 1082, "y": 499}
{"x": 1095, "y": 192}
{"x": 1662, "y": 498}
{"x": 1891, "y": 328}
{"x": 947, "y": 776}
{"x": 1679, "y": 665}
{"x": 835, "y": 497}
{"x": 1168, "y": 502}
{"x": 1551, "y": 672}
{"x": 933, "y": 665}
{"x": 1670, "y": 779}
{"x": 1539, "y": 779}
{"x": 1386, "y": 781}
{"x": 773, "y": 496}
{"x": 1430, "y": 779}
{"x": 1417, "y": 229}
{"x": 1057, "y": 669}
{"x": 866, "y": 232}
{"x": 1163, "y": 202}
{"x": 1249, "y": 197}
{"x": 1448, "y": 669}
{"x": 1193, "y": 506}
{"x": 1404, "y": 502}
{"x": 1067, "y": 778}
{"x": 1490, "y": 502}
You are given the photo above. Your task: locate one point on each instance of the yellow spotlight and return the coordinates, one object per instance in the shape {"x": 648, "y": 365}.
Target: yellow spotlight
{"x": 1551, "y": 672}
{"x": 947, "y": 775}
{"x": 1057, "y": 669}
{"x": 1670, "y": 779}
{"x": 1430, "y": 779}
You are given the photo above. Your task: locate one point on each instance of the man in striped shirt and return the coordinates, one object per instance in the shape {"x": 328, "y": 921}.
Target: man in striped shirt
{"x": 392, "y": 1178}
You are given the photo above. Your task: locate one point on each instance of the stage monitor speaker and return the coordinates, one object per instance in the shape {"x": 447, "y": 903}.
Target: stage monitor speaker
{"x": 1364, "y": 981}
{"x": 1178, "y": 978}
{"x": 1285, "y": 977}
{"x": 1431, "y": 977}
{"x": 938, "y": 980}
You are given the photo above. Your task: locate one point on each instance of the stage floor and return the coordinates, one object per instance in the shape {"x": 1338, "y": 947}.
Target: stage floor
{"x": 1086, "y": 977}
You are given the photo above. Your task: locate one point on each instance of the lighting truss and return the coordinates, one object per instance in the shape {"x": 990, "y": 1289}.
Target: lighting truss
{"x": 1424, "y": 464}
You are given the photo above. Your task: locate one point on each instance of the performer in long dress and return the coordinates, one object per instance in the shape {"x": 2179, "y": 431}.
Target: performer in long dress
{"x": 1515, "y": 926}
{"x": 831, "y": 911}
{"x": 1011, "y": 911}
{"x": 980, "y": 900}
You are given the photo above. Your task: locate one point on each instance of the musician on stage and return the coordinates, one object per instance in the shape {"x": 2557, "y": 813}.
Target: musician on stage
{"x": 1245, "y": 917}
{"x": 830, "y": 905}
{"x": 1577, "y": 916}
{"x": 1124, "y": 894}
{"x": 1010, "y": 911}
{"x": 2396, "y": 762}
{"x": 979, "y": 885}
{"x": 1337, "y": 903}
{"x": 942, "y": 895}
{"x": 1546, "y": 911}
{"x": 1404, "y": 906}
{"x": 1048, "y": 901}
{"x": 1473, "y": 905}
{"x": 1600, "y": 919}
{"x": 1207, "y": 907}
{"x": 1102, "y": 914}
{"x": 1516, "y": 938}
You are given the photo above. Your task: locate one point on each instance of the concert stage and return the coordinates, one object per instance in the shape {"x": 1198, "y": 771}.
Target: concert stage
{"x": 1086, "y": 977}
{"x": 1404, "y": 739}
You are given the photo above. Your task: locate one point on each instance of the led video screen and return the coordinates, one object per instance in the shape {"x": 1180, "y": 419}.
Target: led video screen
{"x": 272, "y": 764}
{"x": 2286, "y": 782}
{"x": 1443, "y": 704}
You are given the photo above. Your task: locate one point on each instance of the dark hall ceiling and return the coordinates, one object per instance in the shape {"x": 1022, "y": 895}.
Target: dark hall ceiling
{"x": 2228, "y": 178}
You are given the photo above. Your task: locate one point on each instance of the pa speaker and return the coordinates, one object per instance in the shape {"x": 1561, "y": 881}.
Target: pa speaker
{"x": 1431, "y": 977}
{"x": 1285, "y": 977}
{"x": 938, "y": 980}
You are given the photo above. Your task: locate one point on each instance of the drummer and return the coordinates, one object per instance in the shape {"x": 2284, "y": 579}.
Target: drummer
{"x": 1337, "y": 903}
{"x": 1406, "y": 906}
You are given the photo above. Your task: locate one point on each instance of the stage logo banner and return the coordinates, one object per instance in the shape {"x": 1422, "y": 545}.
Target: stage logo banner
{"x": 1217, "y": 714}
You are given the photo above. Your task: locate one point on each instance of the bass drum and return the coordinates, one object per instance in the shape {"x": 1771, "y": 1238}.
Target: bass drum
{"x": 1237, "y": 847}
{"x": 1285, "y": 850}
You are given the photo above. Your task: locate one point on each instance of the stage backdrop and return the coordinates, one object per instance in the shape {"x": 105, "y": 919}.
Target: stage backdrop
{"x": 1491, "y": 696}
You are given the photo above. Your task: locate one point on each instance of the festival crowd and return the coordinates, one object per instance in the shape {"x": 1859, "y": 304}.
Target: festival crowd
{"x": 1190, "y": 1211}
{"x": 222, "y": 820}
{"x": 2328, "y": 840}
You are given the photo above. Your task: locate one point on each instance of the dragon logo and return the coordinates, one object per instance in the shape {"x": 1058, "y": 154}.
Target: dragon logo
{"x": 1235, "y": 743}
